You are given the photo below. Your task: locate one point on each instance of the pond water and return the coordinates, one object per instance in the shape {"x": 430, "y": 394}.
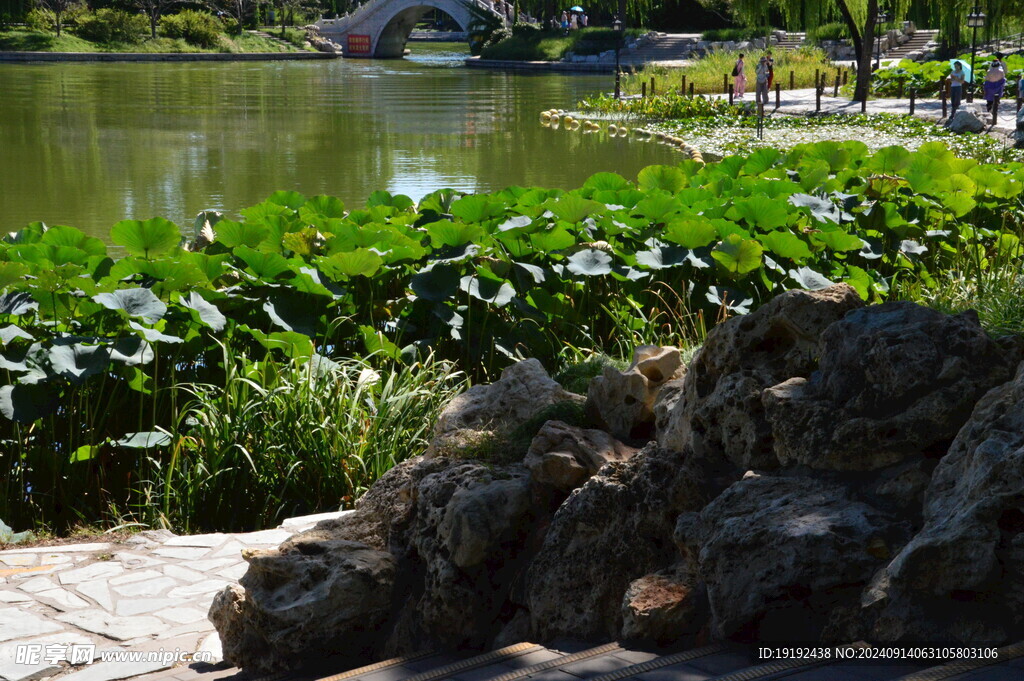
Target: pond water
{"x": 90, "y": 144}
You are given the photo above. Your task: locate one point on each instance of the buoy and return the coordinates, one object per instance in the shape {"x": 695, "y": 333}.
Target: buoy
{"x": 612, "y": 129}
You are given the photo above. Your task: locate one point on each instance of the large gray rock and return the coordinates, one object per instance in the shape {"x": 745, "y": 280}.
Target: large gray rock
{"x": 622, "y": 402}
{"x": 564, "y": 456}
{"x": 962, "y": 577}
{"x": 966, "y": 119}
{"x": 614, "y": 529}
{"x": 471, "y": 527}
{"x": 522, "y": 392}
{"x": 895, "y": 380}
{"x": 779, "y": 554}
{"x": 331, "y": 597}
{"x": 718, "y": 413}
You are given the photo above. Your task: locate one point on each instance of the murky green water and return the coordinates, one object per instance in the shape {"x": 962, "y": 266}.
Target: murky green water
{"x": 91, "y": 144}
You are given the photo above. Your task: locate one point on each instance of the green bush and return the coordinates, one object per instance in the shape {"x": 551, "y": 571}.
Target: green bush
{"x": 497, "y": 36}
{"x": 40, "y": 20}
{"x": 837, "y": 30}
{"x": 112, "y": 26}
{"x": 524, "y": 29}
{"x": 196, "y": 28}
{"x": 736, "y": 34}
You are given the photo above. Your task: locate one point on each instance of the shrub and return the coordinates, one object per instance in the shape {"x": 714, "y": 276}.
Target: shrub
{"x": 834, "y": 31}
{"x": 40, "y": 20}
{"x": 112, "y": 26}
{"x": 736, "y": 34}
{"x": 498, "y": 36}
{"x": 196, "y": 28}
{"x": 524, "y": 29}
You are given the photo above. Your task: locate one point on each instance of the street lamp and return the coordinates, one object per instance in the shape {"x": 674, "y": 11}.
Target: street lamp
{"x": 617, "y": 27}
{"x": 975, "y": 20}
{"x": 880, "y": 19}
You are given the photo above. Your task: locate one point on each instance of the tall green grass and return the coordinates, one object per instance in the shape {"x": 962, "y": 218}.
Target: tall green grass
{"x": 706, "y": 73}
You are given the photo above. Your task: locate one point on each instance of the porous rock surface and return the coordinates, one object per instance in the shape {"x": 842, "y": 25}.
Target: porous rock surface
{"x": 716, "y": 411}
{"x": 894, "y": 380}
{"x": 564, "y": 456}
{"x": 881, "y": 506}
{"x": 622, "y": 402}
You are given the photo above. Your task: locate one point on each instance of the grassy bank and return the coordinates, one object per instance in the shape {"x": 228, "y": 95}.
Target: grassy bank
{"x": 706, "y": 73}
{"x": 531, "y": 44}
{"x": 24, "y": 40}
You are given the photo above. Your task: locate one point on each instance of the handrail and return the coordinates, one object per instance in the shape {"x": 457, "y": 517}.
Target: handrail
{"x": 369, "y": 9}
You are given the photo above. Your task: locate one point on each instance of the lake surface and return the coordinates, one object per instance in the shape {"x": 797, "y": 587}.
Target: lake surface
{"x": 90, "y": 144}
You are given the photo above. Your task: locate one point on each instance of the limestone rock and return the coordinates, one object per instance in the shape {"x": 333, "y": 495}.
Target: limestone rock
{"x": 622, "y": 402}
{"x": 327, "y": 596}
{"x": 719, "y": 413}
{"x": 778, "y": 554}
{"x": 564, "y": 456}
{"x": 966, "y": 119}
{"x": 614, "y": 529}
{"x": 469, "y": 537}
{"x": 664, "y": 607}
{"x": 895, "y": 380}
{"x": 962, "y": 577}
{"x": 522, "y": 392}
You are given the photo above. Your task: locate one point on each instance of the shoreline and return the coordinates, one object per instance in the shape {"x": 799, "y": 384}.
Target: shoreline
{"x": 563, "y": 66}
{"x": 17, "y": 57}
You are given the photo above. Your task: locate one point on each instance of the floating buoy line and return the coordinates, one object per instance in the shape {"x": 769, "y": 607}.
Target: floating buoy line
{"x": 560, "y": 118}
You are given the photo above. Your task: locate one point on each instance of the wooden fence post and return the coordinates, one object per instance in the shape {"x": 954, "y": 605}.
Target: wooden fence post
{"x": 682, "y": 85}
{"x": 778, "y": 95}
{"x": 725, "y": 83}
{"x": 864, "y": 105}
{"x": 899, "y": 91}
{"x": 653, "y": 90}
{"x": 817, "y": 96}
{"x": 913, "y": 98}
{"x": 691, "y": 89}
{"x": 792, "y": 81}
{"x": 643, "y": 89}
{"x": 835, "y": 91}
{"x": 817, "y": 78}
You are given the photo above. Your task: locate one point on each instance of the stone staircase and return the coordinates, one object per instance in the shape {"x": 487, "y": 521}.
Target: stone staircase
{"x": 916, "y": 45}
{"x": 270, "y": 36}
{"x": 791, "y": 41}
{"x": 667, "y": 47}
{"x": 569, "y": 661}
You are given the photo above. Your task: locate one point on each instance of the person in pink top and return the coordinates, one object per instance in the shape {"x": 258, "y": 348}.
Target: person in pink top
{"x": 739, "y": 87}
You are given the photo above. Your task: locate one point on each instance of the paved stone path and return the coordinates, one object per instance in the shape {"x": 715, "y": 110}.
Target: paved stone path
{"x": 151, "y": 593}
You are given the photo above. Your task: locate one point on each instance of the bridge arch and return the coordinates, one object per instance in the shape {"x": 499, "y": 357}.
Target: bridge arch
{"x": 381, "y": 28}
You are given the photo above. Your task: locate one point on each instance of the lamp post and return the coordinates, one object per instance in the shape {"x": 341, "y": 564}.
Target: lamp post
{"x": 617, "y": 27}
{"x": 880, "y": 19}
{"x": 975, "y": 20}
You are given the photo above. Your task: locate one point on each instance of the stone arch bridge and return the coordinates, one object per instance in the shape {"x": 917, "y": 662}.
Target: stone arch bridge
{"x": 380, "y": 28}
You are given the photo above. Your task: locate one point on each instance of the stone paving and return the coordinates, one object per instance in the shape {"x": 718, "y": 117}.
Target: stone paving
{"x": 81, "y": 602}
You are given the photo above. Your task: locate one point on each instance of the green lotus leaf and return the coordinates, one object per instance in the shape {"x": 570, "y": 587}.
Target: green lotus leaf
{"x": 738, "y": 255}
{"x": 360, "y": 262}
{"x": 447, "y": 233}
{"x": 607, "y": 181}
{"x": 809, "y": 279}
{"x": 135, "y": 302}
{"x": 204, "y": 311}
{"x": 153, "y": 335}
{"x": 761, "y": 161}
{"x": 573, "y": 208}
{"x": 860, "y": 280}
{"x": 658, "y": 206}
{"x": 663, "y": 257}
{"x": 494, "y": 291}
{"x": 61, "y": 235}
{"x": 838, "y": 240}
{"x": 555, "y": 239}
{"x": 146, "y": 239}
{"x": 890, "y": 160}
{"x": 517, "y": 222}
{"x": 267, "y": 266}
{"x": 84, "y": 453}
{"x": 668, "y": 178}
{"x": 439, "y": 201}
{"x": 293, "y": 200}
{"x": 786, "y": 245}
{"x": 11, "y": 273}
{"x": 131, "y": 351}
{"x": 377, "y": 343}
{"x": 233, "y": 234}
{"x": 27, "y": 403}
{"x": 11, "y": 333}
{"x": 292, "y": 312}
{"x": 144, "y": 440}
{"x": 437, "y": 284}
{"x": 692, "y": 232}
{"x": 590, "y": 262}
{"x": 383, "y": 199}
{"x": 821, "y": 209}
{"x": 291, "y": 343}
{"x": 323, "y": 206}
{"x": 760, "y": 212}
{"x": 732, "y": 300}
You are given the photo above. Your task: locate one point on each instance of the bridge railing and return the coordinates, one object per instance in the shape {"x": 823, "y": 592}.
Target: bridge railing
{"x": 369, "y": 9}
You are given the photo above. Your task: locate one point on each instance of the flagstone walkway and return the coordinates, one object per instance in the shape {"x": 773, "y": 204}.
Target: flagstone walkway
{"x": 65, "y": 608}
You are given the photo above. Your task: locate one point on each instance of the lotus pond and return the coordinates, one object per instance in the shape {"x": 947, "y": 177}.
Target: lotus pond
{"x": 153, "y": 386}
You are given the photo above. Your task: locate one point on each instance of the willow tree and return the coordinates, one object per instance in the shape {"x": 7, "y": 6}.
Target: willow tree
{"x": 860, "y": 17}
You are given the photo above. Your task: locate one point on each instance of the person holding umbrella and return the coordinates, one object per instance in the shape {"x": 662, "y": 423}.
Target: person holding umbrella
{"x": 960, "y": 74}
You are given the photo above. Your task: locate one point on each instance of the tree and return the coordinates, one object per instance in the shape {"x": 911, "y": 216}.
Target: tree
{"x": 239, "y": 10}
{"x": 59, "y": 9}
{"x": 860, "y": 17}
{"x": 155, "y": 9}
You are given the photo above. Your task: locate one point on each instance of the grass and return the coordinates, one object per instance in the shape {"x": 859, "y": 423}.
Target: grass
{"x": 706, "y": 73}
{"x": 553, "y": 45}
{"x": 22, "y": 40}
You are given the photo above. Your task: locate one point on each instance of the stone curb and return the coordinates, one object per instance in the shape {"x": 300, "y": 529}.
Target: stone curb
{"x": 159, "y": 57}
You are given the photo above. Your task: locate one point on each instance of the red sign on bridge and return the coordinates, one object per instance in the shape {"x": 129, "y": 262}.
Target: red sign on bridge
{"x": 358, "y": 44}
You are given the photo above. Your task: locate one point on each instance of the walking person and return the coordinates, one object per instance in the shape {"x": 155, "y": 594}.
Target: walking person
{"x": 573, "y": 22}
{"x": 956, "y": 79}
{"x": 995, "y": 81}
{"x": 739, "y": 79}
{"x": 771, "y": 68}
{"x": 762, "y": 74}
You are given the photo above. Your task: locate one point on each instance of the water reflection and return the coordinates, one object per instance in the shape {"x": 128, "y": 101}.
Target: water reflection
{"x": 90, "y": 144}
